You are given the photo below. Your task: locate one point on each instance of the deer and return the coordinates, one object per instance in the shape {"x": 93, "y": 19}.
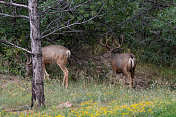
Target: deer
{"x": 120, "y": 62}
{"x": 52, "y": 54}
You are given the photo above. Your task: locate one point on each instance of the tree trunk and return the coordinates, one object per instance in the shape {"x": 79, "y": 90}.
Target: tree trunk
{"x": 37, "y": 78}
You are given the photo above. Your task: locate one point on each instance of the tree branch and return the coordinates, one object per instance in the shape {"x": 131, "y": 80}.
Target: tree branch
{"x": 153, "y": 2}
{"x": 14, "y": 4}
{"x": 54, "y": 30}
{"x": 70, "y": 9}
{"x": 17, "y": 16}
{"x": 13, "y": 45}
{"x": 139, "y": 14}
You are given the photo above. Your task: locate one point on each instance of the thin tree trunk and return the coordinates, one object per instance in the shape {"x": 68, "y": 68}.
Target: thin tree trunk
{"x": 37, "y": 78}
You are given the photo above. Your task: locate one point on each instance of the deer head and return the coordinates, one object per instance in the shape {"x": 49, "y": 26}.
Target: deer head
{"x": 111, "y": 50}
{"x": 121, "y": 62}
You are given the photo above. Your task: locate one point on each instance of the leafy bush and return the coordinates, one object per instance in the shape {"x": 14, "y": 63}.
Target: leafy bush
{"x": 154, "y": 38}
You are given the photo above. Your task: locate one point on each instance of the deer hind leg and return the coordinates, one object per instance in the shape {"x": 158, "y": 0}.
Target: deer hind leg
{"x": 127, "y": 75}
{"x": 66, "y": 72}
{"x": 132, "y": 75}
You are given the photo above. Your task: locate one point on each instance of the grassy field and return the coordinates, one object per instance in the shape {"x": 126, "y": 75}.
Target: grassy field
{"x": 92, "y": 98}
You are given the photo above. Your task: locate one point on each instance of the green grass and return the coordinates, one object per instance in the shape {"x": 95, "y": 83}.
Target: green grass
{"x": 91, "y": 98}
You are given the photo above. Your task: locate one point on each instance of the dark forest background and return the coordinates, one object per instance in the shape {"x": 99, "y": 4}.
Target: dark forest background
{"x": 148, "y": 25}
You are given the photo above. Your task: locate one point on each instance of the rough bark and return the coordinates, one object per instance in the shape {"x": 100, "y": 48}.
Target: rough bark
{"x": 37, "y": 78}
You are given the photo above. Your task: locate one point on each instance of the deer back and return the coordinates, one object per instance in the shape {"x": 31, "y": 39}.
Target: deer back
{"x": 123, "y": 61}
{"x": 53, "y": 53}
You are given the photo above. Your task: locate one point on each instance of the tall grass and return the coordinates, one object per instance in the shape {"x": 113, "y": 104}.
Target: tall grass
{"x": 88, "y": 99}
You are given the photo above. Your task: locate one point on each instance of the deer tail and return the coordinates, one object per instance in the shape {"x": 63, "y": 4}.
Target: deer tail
{"x": 68, "y": 53}
{"x": 132, "y": 60}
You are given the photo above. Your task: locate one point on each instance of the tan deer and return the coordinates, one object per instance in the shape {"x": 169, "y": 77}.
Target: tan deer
{"x": 53, "y": 54}
{"x": 121, "y": 62}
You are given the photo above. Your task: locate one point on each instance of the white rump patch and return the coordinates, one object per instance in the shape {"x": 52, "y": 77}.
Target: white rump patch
{"x": 131, "y": 61}
{"x": 68, "y": 53}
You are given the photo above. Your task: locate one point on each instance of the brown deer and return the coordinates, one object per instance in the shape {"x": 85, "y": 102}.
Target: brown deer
{"x": 53, "y": 54}
{"x": 121, "y": 62}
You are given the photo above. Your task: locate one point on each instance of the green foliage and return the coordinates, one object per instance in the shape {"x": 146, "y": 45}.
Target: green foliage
{"x": 12, "y": 63}
{"x": 158, "y": 43}
{"x": 15, "y": 30}
{"x": 167, "y": 110}
{"x": 150, "y": 36}
{"x": 63, "y": 13}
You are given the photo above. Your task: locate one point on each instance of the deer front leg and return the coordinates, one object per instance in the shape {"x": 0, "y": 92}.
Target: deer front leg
{"x": 46, "y": 75}
{"x": 114, "y": 75}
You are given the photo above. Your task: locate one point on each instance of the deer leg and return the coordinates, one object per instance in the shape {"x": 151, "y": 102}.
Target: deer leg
{"x": 132, "y": 74}
{"x": 114, "y": 75}
{"x": 46, "y": 75}
{"x": 66, "y": 72}
{"x": 127, "y": 75}
{"x": 65, "y": 80}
